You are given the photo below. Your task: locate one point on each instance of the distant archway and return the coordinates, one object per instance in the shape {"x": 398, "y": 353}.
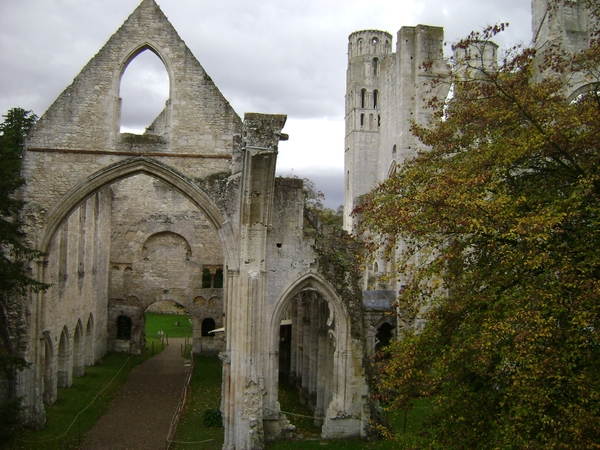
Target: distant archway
{"x": 319, "y": 332}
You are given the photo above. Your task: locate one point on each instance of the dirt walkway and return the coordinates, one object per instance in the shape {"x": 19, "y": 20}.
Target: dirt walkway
{"x": 139, "y": 418}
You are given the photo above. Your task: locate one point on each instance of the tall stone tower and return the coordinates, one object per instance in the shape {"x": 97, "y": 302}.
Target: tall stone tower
{"x": 366, "y": 51}
{"x": 385, "y": 93}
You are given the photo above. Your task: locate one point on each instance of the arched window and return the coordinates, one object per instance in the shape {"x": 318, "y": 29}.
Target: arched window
{"x": 78, "y": 351}
{"x": 206, "y": 279}
{"x": 394, "y": 149}
{"x": 375, "y": 95}
{"x": 375, "y": 66}
{"x": 218, "y": 279}
{"x": 362, "y": 120}
{"x": 363, "y": 95}
{"x": 124, "y": 327}
{"x": 63, "y": 369}
{"x": 374, "y": 44}
{"x": 144, "y": 92}
{"x": 208, "y": 324}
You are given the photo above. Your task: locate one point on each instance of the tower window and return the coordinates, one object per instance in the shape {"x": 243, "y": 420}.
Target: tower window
{"x": 363, "y": 95}
{"x": 362, "y": 120}
{"x": 375, "y": 93}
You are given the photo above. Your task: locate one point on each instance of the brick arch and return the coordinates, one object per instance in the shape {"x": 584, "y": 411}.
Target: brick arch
{"x": 155, "y": 238}
{"x": 125, "y": 169}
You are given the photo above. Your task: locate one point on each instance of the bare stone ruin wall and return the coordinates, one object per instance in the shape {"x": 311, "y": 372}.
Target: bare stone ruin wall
{"x": 127, "y": 221}
{"x": 160, "y": 245}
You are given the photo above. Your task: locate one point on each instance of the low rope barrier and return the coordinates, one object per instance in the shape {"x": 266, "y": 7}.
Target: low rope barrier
{"x": 294, "y": 414}
{"x": 197, "y": 442}
{"x": 85, "y": 409}
{"x": 182, "y": 400}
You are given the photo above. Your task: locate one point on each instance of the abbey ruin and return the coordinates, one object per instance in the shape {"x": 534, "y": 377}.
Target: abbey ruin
{"x": 191, "y": 212}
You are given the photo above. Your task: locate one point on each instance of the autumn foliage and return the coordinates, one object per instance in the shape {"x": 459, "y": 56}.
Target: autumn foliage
{"x": 496, "y": 222}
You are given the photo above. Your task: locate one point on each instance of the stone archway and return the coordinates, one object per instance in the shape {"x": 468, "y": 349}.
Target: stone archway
{"x": 330, "y": 371}
{"x": 125, "y": 169}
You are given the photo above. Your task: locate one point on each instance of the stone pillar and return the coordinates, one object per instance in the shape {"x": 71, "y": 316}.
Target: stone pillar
{"x": 243, "y": 390}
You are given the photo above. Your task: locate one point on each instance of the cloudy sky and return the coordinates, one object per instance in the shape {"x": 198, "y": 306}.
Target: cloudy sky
{"x": 272, "y": 56}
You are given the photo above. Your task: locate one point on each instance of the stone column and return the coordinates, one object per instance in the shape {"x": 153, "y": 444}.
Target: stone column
{"x": 245, "y": 321}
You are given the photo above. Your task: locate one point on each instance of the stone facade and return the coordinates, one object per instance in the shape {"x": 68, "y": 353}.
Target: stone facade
{"x": 190, "y": 212}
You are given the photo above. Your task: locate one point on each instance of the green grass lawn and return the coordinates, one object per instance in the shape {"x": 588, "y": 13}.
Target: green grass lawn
{"x": 409, "y": 440}
{"x": 167, "y": 324}
{"x": 94, "y": 390}
{"x": 204, "y": 394}
{"x": 64, "y": 428}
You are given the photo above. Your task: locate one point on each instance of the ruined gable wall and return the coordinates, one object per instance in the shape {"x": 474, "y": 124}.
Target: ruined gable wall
{"x": 288, "y": 252}
{"x": 79, "y": 134}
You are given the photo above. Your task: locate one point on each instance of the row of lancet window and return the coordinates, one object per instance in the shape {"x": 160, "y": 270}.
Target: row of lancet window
{"x": 364, "y": 98}
{"x": 212, "y": 278}
{"x": 371, "y": 124}
{"x": 372, "y": 46}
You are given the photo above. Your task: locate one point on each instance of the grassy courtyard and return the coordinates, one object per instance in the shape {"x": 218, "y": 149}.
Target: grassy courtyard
{"x": 79, "y": 406}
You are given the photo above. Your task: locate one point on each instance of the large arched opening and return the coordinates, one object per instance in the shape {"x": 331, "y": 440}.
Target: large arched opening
{"x": 310, "y": 335}
{"x": 306, "y": 348}
{"x": 132, "y": 235}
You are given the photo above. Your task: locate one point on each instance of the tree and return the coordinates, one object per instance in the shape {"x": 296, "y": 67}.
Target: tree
{"x": 497, "y": 223}
{"x": 15, "y": 255}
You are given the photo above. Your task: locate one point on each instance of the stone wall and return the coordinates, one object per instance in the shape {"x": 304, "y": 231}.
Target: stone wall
{"x": 127, "y": 221}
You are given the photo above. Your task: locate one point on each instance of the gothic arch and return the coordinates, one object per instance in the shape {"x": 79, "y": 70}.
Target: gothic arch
{"x": 49, "y": 371}
{"x": 78, "y": 350}
{"x": 89, "y": 341}
{"x": 311, "y": 282}
{"x": 338, "y": 402}
{"x": 132, "y": 53}
{"x": 124, "y": 169}
{"x": 64, "y": 361}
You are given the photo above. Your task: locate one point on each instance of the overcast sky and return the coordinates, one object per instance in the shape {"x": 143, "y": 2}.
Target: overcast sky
{"x": 271, "y": 56}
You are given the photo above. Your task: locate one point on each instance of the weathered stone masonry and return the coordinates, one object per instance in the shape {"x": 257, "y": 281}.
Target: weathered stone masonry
{"x": 130, "y": 220}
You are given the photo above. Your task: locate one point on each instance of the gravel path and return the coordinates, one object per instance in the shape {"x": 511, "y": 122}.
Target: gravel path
{"x": 139, "y": 418}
